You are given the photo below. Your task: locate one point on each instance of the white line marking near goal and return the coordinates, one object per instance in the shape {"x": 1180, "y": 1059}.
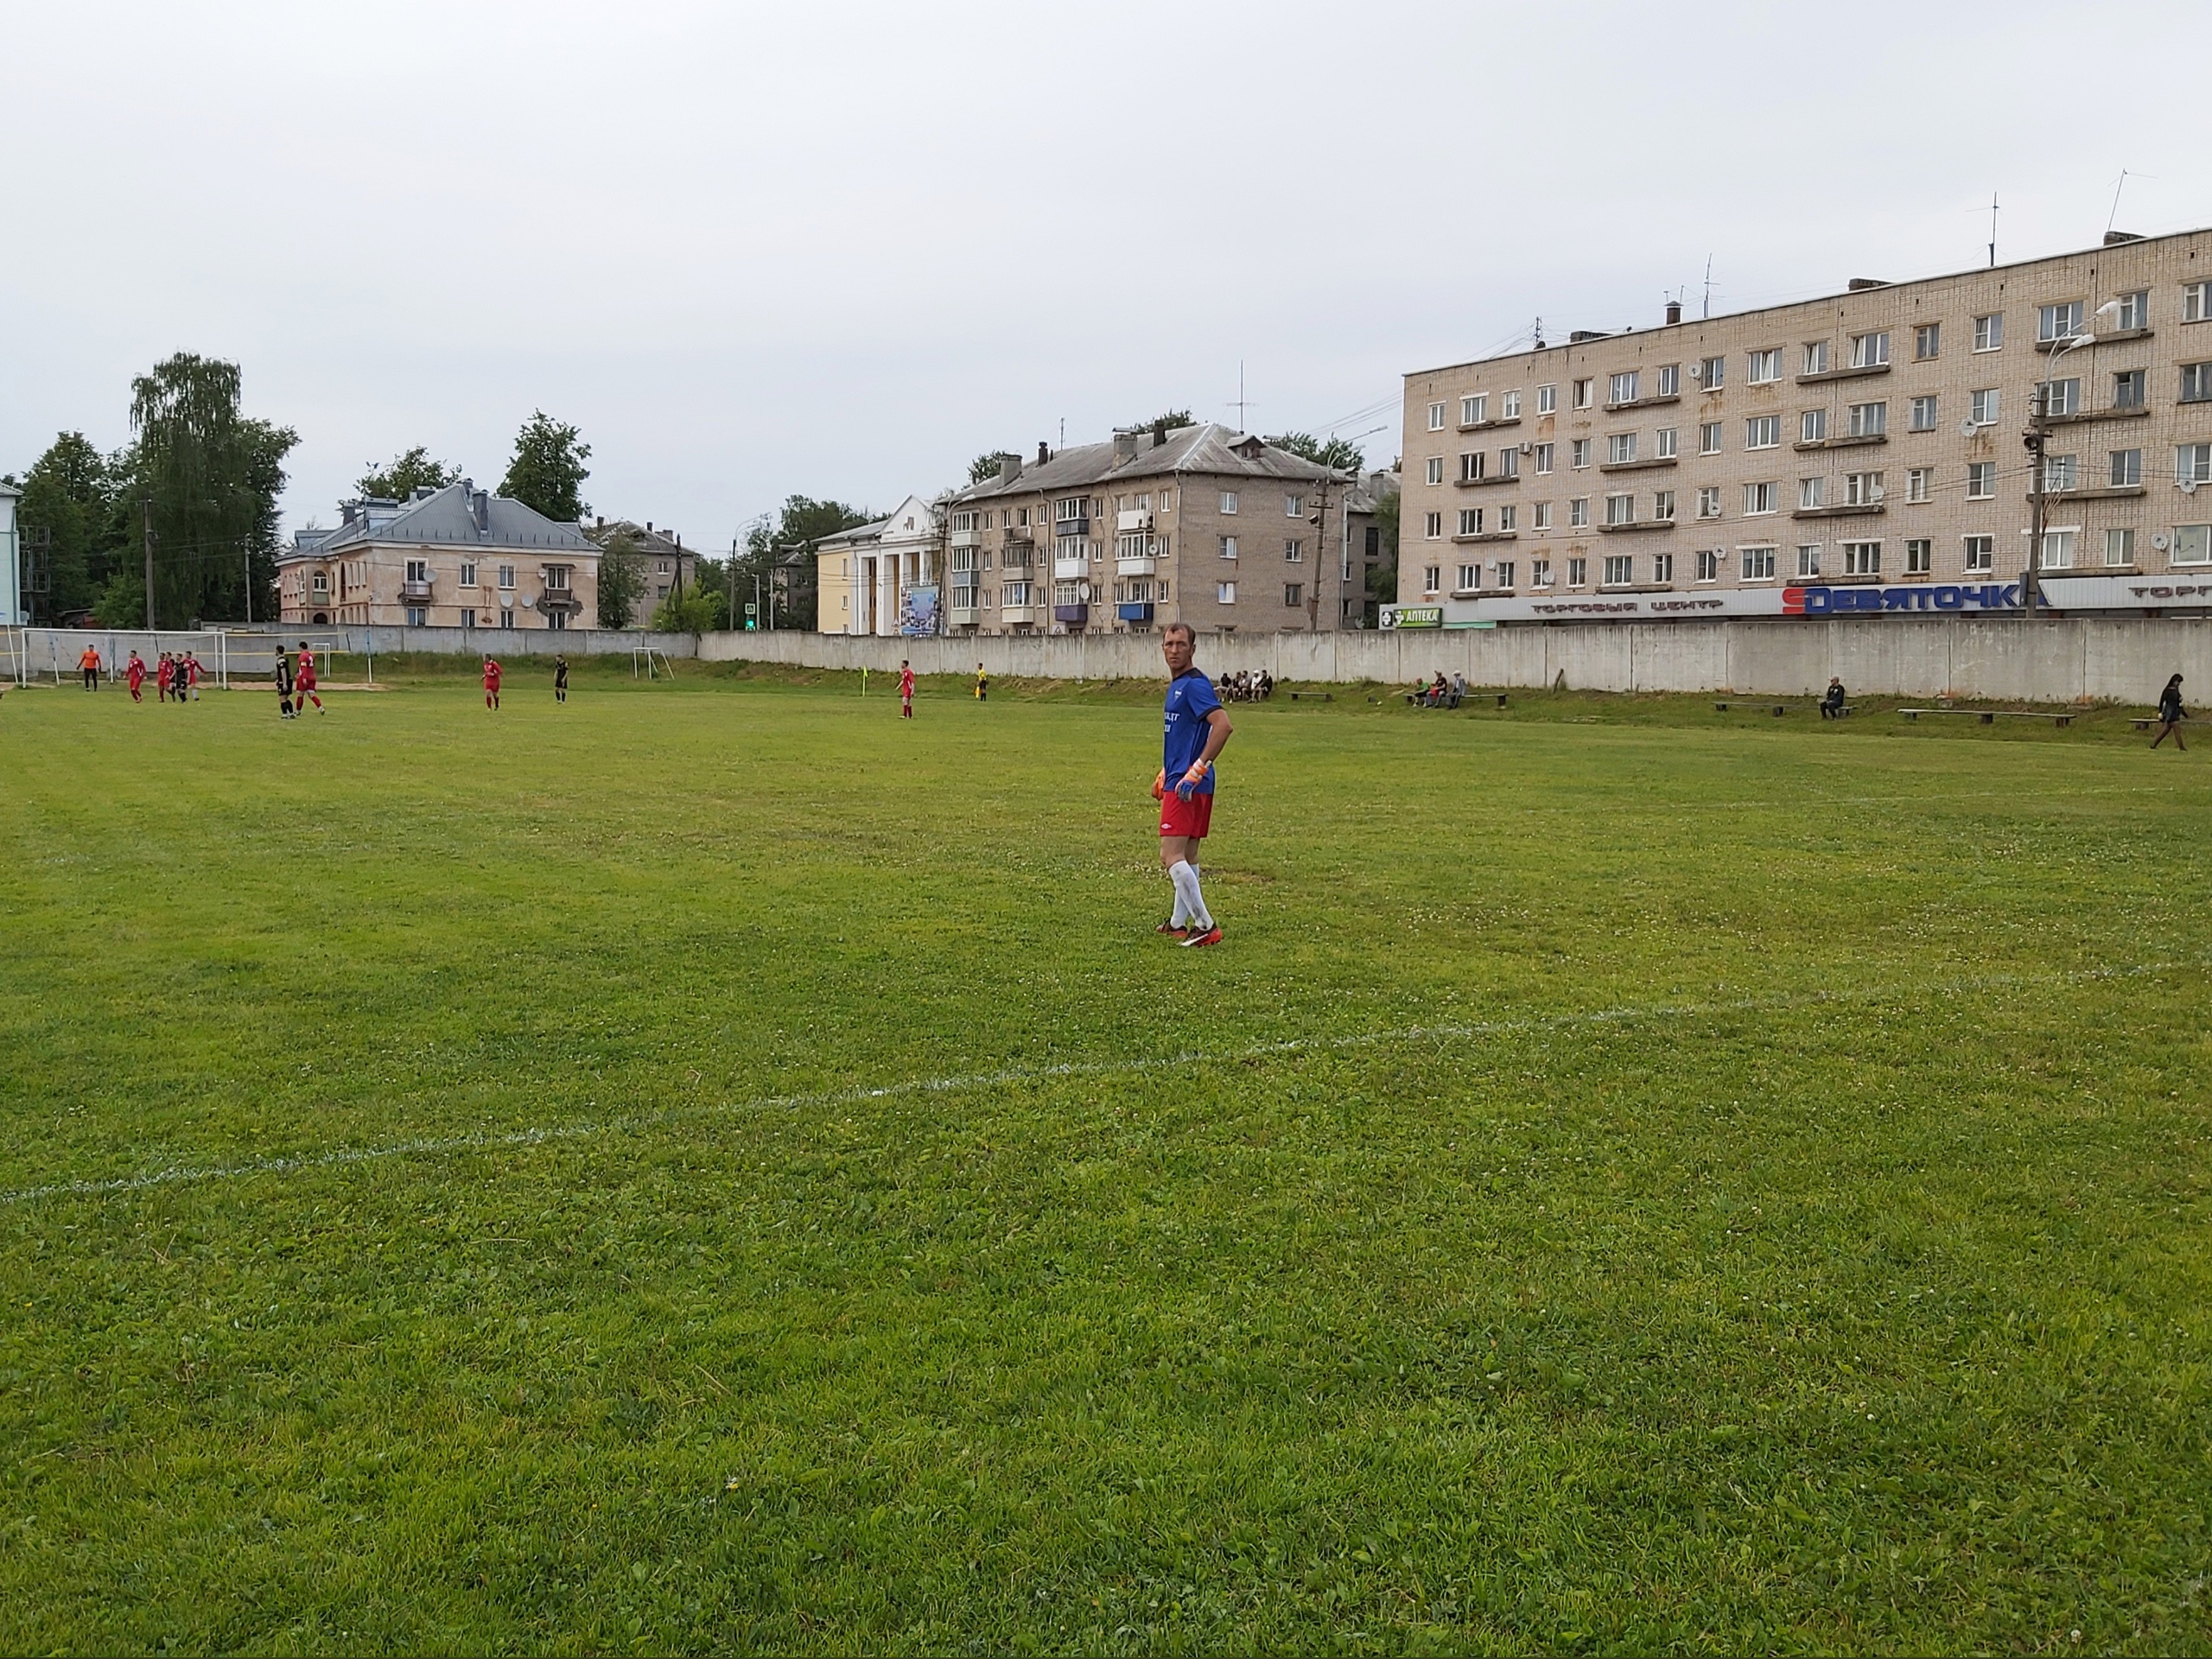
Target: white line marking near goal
{"x": 445, "y": 1145}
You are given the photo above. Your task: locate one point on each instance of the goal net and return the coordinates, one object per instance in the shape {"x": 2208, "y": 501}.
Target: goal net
{"x": 29, "y": 656}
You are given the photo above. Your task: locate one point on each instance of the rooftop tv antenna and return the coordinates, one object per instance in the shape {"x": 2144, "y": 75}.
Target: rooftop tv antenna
{"x": 1992, "y": 230}
{"x": 1706, "y": 311}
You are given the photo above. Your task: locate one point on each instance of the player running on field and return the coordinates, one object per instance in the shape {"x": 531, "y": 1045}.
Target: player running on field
{"x": 134, "y": 676}
{"x": 303, "y": 683}
{"x": 906, "y": 690}
{"x": 283, "y": 686}
{"x": 560, "y": 679}
{"x": 88, "y": 665}
{"x": 491, "y": 680}
{"x": 1198, "y": 728}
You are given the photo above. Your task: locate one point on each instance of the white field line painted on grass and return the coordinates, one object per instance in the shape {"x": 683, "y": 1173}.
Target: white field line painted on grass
{"x": 445, "y": 1145}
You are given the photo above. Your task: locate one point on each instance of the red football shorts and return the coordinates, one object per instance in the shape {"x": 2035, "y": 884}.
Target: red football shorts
{"x": 1193, "y": 818}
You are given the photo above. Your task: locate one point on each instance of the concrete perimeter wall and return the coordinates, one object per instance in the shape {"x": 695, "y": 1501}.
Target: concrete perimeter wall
{"x": 2065, "y": 660}
{"x": 2124, "y": 659}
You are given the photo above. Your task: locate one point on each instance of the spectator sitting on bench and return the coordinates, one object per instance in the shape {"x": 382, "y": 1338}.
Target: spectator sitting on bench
{"x": 1458, "y": 688}
{"x": 1832, "y": 704}
{"x": 1437, "y": 688}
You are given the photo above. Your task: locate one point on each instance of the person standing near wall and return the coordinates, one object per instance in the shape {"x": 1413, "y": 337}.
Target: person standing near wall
{"x": 2171, "y": 715}
{"x": 982, "y": 684}
{"x": 88, "y": 665}
{"x": 560, "y": 679}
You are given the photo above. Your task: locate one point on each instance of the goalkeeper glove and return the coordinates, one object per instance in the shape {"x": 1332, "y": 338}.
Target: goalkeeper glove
{"x": 1159, "y": 785}
{"x": 1190, "y": 780}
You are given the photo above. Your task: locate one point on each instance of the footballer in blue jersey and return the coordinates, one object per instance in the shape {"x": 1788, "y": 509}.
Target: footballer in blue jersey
{"x": 1197, "y": 729}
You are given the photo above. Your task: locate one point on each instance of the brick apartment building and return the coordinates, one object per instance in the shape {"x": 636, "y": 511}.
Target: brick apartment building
{"x": 1771, "y": 462}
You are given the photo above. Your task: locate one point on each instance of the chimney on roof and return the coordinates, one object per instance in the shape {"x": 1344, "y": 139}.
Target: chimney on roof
{"x": 601, "y": 524}
{"x": 479, "y": 502}
{"x": 1044, "y": 452}
{"x": 1674, "y": 312}
{"x": 649, "y": 526}
{"x": 1579, "y": 335}
{"x": 1125, "y": 446}
{"x": 2113, "y": 238}
{"x": 1860, "y": 284}
{"x": 1009, "y": 467}
{"x": 1159, "y": 432}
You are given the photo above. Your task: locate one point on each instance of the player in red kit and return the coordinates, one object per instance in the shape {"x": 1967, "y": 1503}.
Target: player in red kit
{"x": 906, "y": 690}
{"x": 491, "y": 680}
{"x": 134, "y": 672}
{"x": 303, "y": 682}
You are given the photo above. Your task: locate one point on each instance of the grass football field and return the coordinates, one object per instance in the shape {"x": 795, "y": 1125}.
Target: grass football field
{"x": 717, "y": 1166}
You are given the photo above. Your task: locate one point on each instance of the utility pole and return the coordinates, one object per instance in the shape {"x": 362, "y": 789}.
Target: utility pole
{"x": 1320, "y": 524}
{"x": 149, "y": 563}
{"x": 2038, "y": 432}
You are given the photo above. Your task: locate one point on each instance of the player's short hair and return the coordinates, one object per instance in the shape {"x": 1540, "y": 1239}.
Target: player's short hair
{"x": 1183, "y": 628}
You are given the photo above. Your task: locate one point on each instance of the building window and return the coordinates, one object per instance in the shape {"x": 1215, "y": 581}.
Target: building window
{"x": 2127, "y": 389}
{"x": 468, "y": 576}
{"x": 506, "y": 616}
{"x": 1919, "y": 556}
{"x": 1547, "y": 400}
{"x": 1539, "y": 573}
{"x": 1471, "y": 521}
{"x": 1765, "y": 366}
{"x": 1708, "y": 564}
{"x": 1582, "y": 394}
{"x": 1542, "y": 516}
{"x": 2126, "y": 468}
{"x": 1870, "y": 351}
{"x": 1623, "y": 387}
{"x": 2196, "y": 382}
{"x": 2196, "y": 301}
{"x": 1620, "y": 447}
{"x": 1225, "y": 593}
{"x": 1981, "y": 407}
{"x": 1015, "y": 593}
{"x": 417, "y": 617}
{"x": 2192, "y": 545}
{"x": 2134, "y": 310}
{"x": 1470, "y": 578}
{"x": 1228, "y": 501}
{"x": 1924, "y": 414}
{"x": 2056, "y": 322}
{"x": 1758, "y": 499}
{"x": 1543, "y": 453}
{"x": 1981, "y": 552}
{"x": 1862, "y": 489}
{"x": 1436, "y": 470}
{"x": 1809, "y": 560}
{"x": 1664, "y": 443}
{"x": 1711, "y": 371}
{"x": 1989, "y": 331}
{"x": 1578, "y": 512}
{"x": 1470, "y": 467}
{"x": 1927, "y": 341}
{"x": 1862, "y": 558}
{"x": 1708, "y": 438}
{"x": 2119, "y": 547}
{"x": 1816, "y": 357}
{"x": 2193, "y": 463}
{"x": 1578, "y": 453}
{"x": 1662, "y": 567}
{"x": 1293, "y": 549}
{"x": 506, "y": 576}
{"x": 1870, "y": 420}
{"x": 2058, "y": 549}
{"x": 1431, "y": 578}
{"x": 1662, "y": 506}
{"x": 1293, "y": 594}
{"x": 1509, "y": 462}
{"x": 2062, "y": 396}
{"x": 1758, "y": 563}
{"x": 2060, "y": 472}
{"x": 1433, "y": 527}
{"x": 1708, "y": 501}
{"x": 1228, "y": 545}
{"x": 1509, "y": 518}
{"x": 1812, "y": 426}
{"x": 1620, "y": 570}
{"x": 1670, "y": 380}
{"x": 1812, "y": 494}
{"x": 1293, "y": 506}
{"x": 1509, "y": 406}
{"x": 1920, "y": 484}
{"x": 1436, "y": 418}
{"x": 467, "y": 618}
{"x": 1578, "y": 572}
{"x": 1620, "y": 509}
{"x": 1763, "y": 432}
{"x": 1981, "y": 481}
{"x": 1474, "y": 410}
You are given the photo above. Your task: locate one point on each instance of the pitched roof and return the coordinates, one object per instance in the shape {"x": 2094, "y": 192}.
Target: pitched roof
{"x": 1209, "y": 448}
{"x": 652, "y": 543}
{"x": 447, "y": 518}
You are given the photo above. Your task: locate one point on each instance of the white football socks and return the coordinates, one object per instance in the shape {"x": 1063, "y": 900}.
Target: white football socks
{"x": 1189, "y": 905}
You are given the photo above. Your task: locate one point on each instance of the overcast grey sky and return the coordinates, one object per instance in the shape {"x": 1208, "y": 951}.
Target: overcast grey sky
{"x": 840, "y": 248}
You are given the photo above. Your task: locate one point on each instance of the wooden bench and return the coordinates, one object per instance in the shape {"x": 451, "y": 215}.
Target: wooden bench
{"x": 2148, "y": 720}
{"x": 1988, "y": 716}
{"x": 1311, "y": 696}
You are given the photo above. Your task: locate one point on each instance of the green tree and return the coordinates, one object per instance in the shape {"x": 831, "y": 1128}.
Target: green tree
{"x": 621, "y": 581}
{"x": 1382, "y": 578}
{"x": 548, "y": 471}
{"x": 407, "y": 473}
{"x": 984, "y": 466}
{"x": 68, "y": 494}
{"x": 121, "y": 601}
{"x": 1341, "y": 455}
{"x": 1170, "y": 420}
{"x": 791, "y": 541}
{"x": 212, "y": 477}
{"x": 697, "y": 609}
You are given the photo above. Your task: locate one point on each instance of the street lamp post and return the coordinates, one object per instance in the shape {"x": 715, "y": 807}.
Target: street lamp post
{"x": 2037, "y": 437}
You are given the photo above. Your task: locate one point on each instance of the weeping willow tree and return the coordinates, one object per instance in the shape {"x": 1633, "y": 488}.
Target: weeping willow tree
{"x": 208, "y": 478}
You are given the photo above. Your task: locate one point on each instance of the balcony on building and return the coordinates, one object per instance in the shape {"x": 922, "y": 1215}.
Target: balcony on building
{"x": 414, "y": 593}
{"x": 966, "y": 538}
{"x": 1136, "y": 565}
{"x": 1133, "y": 521}
{"x": 1133, "y": 613}
{"x": 1018, "y": 616}
{"x": 1071, "y": 526}
{"x": 966, "y": 616}
{"x": 1074, "y": 615}
{"x": 1018, "y": 555}
{"x": 1074, "y": 569}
